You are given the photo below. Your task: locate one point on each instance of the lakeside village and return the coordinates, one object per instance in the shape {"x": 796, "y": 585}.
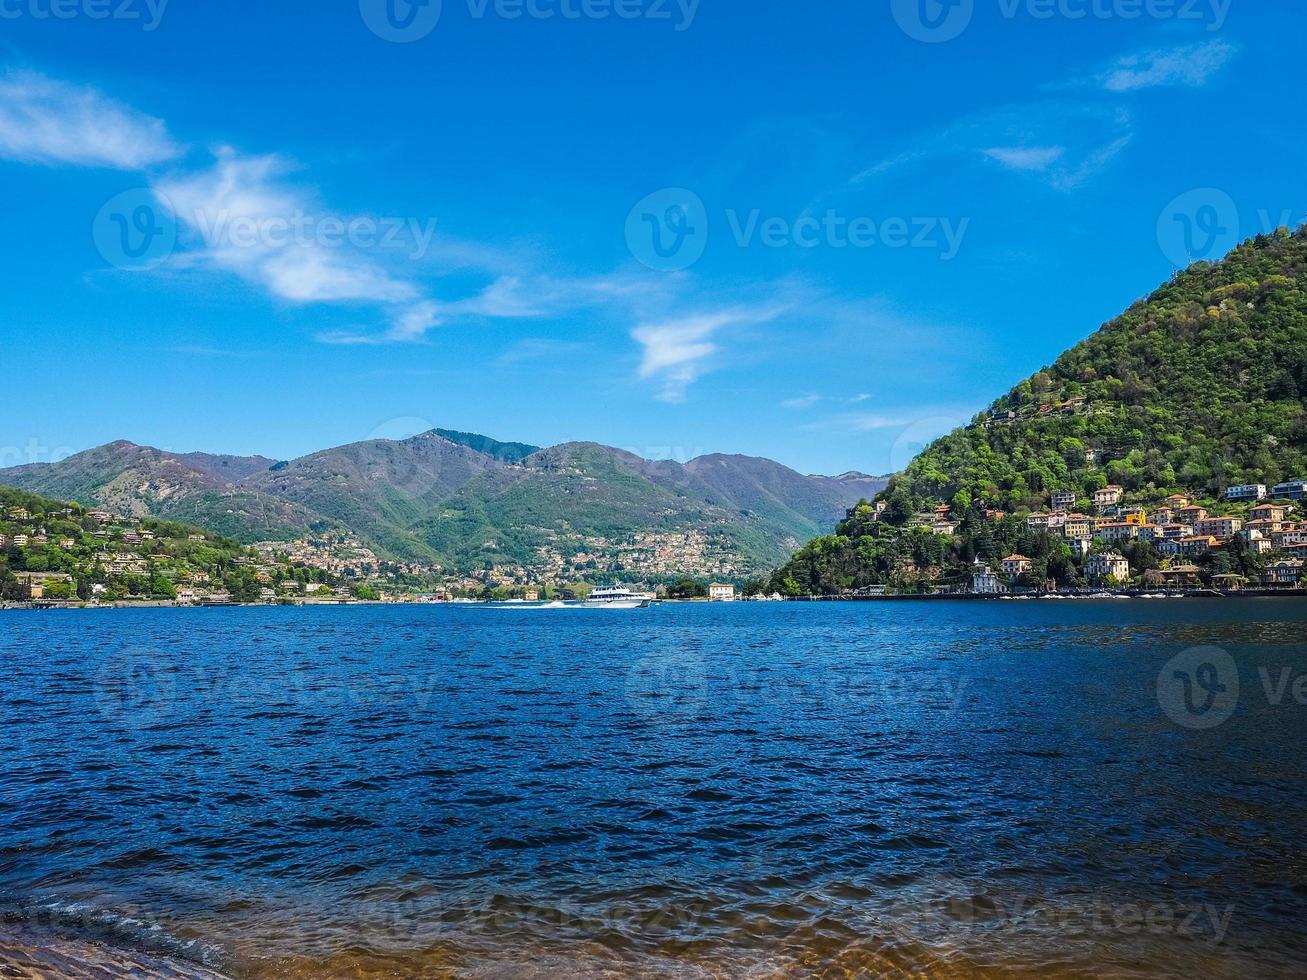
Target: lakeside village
{"x": 1254, "y": 538}
{"x": 55, "y": 555}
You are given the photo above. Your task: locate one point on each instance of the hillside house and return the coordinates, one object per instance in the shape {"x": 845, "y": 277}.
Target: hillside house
{"x": 1175, "y": 577}
{"x": 1287, "y": 537}
{"x": 1116, "y": 531}
{"x": 1256, "y": 542}
{"x": 1286, "y": 572}
{"x": 1063, "y": 500}
{"x": 1269, "y": 512}
{"x": 984, "y": 581}
{"x": 1014, "y": 566}
{"x": 1108, "y": 565}
{"x": 1221, "y": 528}
{"x": 1246, "y": 491}
{"x": 1291, "y": 490}
{"x": 1038, "y": 522}
{"x": 33, "y": 585}
{"x": 1198, "y": 544}
{"x": 1108, "y": 496}
{"x": 1077, "y": 526}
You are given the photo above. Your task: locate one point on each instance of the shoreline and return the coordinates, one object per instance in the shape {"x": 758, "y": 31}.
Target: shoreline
{"x": 1150, "y": 595}
{"x": 54, "y": 955}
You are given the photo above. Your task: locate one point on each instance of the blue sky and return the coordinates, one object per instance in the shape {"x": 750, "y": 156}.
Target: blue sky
{"x": 275, "y": 228}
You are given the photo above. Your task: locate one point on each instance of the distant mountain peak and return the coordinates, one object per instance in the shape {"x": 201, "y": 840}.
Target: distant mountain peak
{"x": 505, "y": 452}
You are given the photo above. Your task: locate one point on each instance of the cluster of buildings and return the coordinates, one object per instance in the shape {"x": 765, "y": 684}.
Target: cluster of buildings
{"x": 339, "y": 555}
{"x": 1176, "y": 529}
{"x": 645, "y": 555}
{"x": 103, "y": 557}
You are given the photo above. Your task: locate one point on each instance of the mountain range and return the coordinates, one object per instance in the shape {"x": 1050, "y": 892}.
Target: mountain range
{"x": 466, "y": 502}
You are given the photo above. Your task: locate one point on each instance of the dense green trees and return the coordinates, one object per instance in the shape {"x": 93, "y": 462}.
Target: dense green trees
{"x": 65, "y": 538}
{"x": 1199, "y": 386}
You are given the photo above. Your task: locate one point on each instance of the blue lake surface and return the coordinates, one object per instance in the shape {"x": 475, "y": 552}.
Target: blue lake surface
{"x": 1038, "y": 788}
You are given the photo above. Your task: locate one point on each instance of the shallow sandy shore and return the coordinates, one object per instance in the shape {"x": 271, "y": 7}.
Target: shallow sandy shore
{"x": 28, "y": 954}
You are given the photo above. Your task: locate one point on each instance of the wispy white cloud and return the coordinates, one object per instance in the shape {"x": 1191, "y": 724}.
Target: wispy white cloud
{"x": 199, "y": 350}
{"x": 859, "y": 422}
{"x": 1038, "y": 158}
{"x": 1188, "y": 66}
{"x": 46, "y": 121}
{"x": 1063, "y": 143}
{"x": 540, "y": 348}
{"x": 240, "y": 212}
{"x": 244, "y": 217}
{"x": 677, "y": 352}
{"x": 806, "y": 401}
{"x": 532, "y": 295}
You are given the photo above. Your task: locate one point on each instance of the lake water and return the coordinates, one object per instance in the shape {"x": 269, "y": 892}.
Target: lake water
{"x": 1015, "y": 788}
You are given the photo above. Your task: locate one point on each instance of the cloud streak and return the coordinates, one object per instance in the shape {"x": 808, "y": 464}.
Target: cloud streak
{"x": 678, "y": 352}
{"x": 1063, "y": 143}
{"x": 52, "y": 122}
{"x": 1190, "y": 66}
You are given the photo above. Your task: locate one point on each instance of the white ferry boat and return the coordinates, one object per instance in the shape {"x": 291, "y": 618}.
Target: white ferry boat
{"x": 617, "y": 598}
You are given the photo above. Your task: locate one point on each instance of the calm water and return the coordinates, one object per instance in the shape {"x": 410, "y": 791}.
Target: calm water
{"x": 943, "y": 789}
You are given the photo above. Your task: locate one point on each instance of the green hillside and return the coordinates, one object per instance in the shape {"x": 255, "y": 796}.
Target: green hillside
{"x": 1197, "y": 387}
{"x": 81, "y": 555}
{"x": 468, "y": 502}
{"x": 1200, "y": 386}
